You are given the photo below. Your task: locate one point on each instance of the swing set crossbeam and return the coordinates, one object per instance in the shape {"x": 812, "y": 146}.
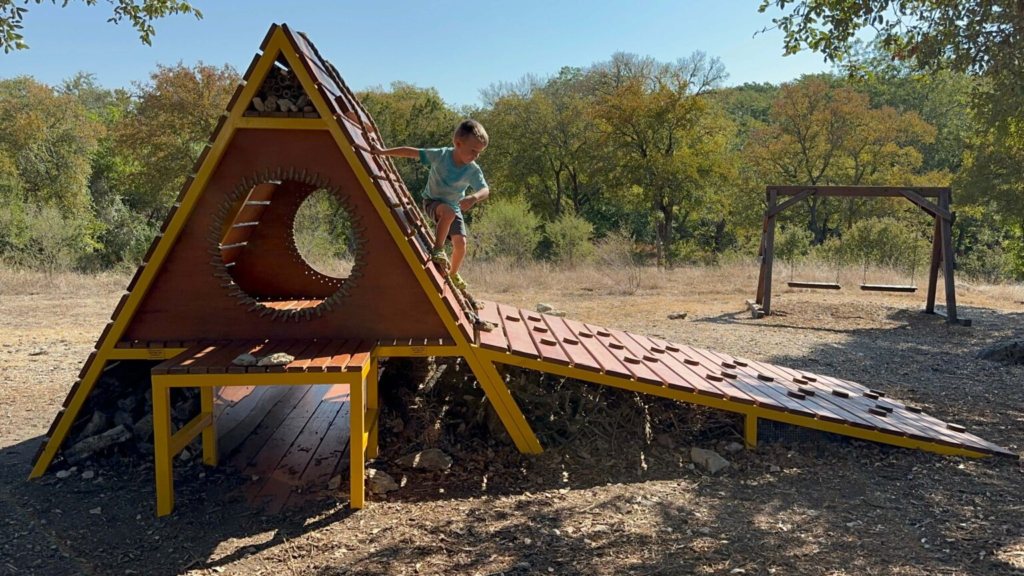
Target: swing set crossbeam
{"x": 942, "y": 245}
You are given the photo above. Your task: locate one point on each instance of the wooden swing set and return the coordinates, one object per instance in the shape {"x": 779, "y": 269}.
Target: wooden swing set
{"x": 942, "y": 244}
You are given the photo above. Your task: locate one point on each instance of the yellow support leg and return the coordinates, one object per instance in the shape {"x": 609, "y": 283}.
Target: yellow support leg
{"x": 357, "y": 443}
{"x": 210, "y": 455}
{"x": 162, "y": 448}
{"x": 372, "y": 407}
{"x": 750, "y": 431}
{"x": 506, "y": 407}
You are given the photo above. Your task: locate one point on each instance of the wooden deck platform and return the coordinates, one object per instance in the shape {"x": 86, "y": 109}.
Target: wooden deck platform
{"x": 288, "y": 440}
{"x": 757, "y": 389}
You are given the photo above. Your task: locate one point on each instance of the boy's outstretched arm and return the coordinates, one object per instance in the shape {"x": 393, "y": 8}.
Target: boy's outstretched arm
{"x": 471, "y": 200}
{"x": 400, "y": 151}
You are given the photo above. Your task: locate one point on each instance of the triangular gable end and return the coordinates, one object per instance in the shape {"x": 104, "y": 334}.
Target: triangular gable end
{"x": 190, "y": 286}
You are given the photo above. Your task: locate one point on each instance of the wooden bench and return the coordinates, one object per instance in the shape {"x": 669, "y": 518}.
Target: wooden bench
{"x": 208, "y": 365}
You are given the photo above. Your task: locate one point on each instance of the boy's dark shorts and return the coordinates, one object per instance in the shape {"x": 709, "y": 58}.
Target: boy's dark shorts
{"x": 458, "y": 227}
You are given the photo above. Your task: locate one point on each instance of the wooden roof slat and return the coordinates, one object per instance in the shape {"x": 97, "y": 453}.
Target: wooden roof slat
{"x": 548, "y": 345}
{"x": 495, "y": 339}
{"x": 637, "y": 371}
{"x": 519, "y": 339}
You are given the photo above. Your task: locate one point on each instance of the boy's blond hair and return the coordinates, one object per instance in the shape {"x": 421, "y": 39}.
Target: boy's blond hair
{"x": 470, "y": 127}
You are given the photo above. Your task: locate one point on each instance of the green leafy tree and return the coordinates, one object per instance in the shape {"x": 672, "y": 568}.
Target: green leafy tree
{"x": 140, "y": 13}
{"x": 824, "y": 135}
{"x": 408, "y": 115}
{"x": 168, "y": 125}
{"x": 46, "y": 140}
{"x": 669, "y": 143}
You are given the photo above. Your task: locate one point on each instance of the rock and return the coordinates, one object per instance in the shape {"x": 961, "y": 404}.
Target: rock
{"x": 1009, "y": 352}
{"x": 380, "y": 483}
{"x": 704, "y": 530}
{"x": 774, "y": 469}
{"x": 542, "y": 308}
{"x": 708, "y": 460}
{"x": 677, "y": 316}
{"x": 432, "y": 460}
{"x": 88, "y": 475}
{"x": 97, "y": 424}
{"x": 665, "y": 440}
{"x": 90, "y": 446}
{"x": 279, "y": 359}
{"x": 63, "y": 475}
{"x": 557, "y": 313}
{"x": 733, "y": 447}
{"x": 185, "y": 455}
{"x": 122, "y": 418}
{"x": 185, "y": 410}
{"x": 128, "y": 403}
{"x": 96, "y": 511}
{"x": 143, "y": 429}
{"x": 244, "y": 360}
{"x": 37, "y": 352}
{"x": 334, "y": 483}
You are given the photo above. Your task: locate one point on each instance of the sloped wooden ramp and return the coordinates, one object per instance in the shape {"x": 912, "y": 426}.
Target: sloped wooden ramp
{"x": 756, "y": 389}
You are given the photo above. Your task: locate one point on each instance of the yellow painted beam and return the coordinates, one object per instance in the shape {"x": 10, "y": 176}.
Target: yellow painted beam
{"x": 250, "y": 379}
{"x": 524, "y": 437}
{"x": 144, "y": 353}
{"x": 357, "y": 445}
{"x": 261, "y": 123}
{"x": 372, "y": 409}
{"x": 189, "y": 431}
{"x": 163, "y": 458}
{"x": 750, "y": 431}
{"x": 210, "y": 452}
{"x": 417, "y": 351}
{"x": 756, "y": 412}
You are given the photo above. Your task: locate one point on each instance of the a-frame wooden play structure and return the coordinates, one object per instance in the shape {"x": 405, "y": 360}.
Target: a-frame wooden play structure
{"x": 224, "y": 278}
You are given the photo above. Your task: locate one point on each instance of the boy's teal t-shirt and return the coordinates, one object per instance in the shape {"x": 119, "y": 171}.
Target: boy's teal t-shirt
{"x": 447, "y": 182}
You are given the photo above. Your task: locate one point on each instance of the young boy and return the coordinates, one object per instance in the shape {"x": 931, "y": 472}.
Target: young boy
{"x": 452, "y": 170}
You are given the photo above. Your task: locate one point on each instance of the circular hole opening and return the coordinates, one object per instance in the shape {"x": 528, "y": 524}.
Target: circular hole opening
{"x": 323, "y": 235}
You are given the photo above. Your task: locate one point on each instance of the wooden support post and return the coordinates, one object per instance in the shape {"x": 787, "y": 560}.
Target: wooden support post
{"x": 769, "y": 253}
{"x": 503, "y": 403}
{"x": 164, "y": 460}
{"x": 210, "y": 454}
{"x": 933, "y": 268}
{"x": 750, "y": 431}
{"x": 357, "y": 443}
{"x": 948, "y": 258}
{"x": 373, "y": 408}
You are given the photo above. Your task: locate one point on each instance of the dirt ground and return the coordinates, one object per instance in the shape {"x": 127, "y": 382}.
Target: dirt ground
{"x": 797, "y": 505}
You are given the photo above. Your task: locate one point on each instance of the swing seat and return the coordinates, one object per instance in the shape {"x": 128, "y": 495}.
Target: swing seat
{"x": 888, "y": 288}
{"x": 814, "y": 285}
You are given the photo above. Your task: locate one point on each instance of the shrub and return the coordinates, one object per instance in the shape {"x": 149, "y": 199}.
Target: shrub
{"x": 505, "y": 228}
{"x": 570, "y": 239}
{"x": 42, "y": 238}
{"x": 619, "y": 252}
{"x": 793, "y": 243}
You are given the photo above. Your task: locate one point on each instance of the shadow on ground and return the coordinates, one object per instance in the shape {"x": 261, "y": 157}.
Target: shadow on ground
{"x": 813, "y": 507}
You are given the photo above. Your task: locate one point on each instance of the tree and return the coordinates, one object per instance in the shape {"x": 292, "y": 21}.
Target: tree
{"x": 140, "y": 13}
{"x": 824, "y": 135}
{"x": 46, "y": 140}
{"x": 983, "y": 38}
{"x": 408, "y": 115}
{"x": 670, "y": 145}
{"x": 169, "y": 123}
{"x": 548, "y": 142}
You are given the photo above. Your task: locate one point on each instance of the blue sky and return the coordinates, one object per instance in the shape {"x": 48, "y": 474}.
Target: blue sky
{"x": 458, "y": 49}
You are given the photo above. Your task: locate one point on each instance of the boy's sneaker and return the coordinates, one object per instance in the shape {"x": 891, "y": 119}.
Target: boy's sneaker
{"x": 441, "y": 259}
{"x": 459, "y": 282}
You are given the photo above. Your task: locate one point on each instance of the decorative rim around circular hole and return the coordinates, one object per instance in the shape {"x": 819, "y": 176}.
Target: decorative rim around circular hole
{"x": 344, "y": 285}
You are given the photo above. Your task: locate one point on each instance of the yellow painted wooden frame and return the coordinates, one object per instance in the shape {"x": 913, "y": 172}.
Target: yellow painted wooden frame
{"x": 751, "y": 413}
{"x": 363, "y": 420}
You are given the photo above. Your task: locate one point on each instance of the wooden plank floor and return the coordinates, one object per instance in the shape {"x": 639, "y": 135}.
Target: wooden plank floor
{"x": 290, "y": 440}
{"x": 546, "y": 341}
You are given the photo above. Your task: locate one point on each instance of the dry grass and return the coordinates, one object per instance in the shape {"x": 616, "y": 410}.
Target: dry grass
{"x": 737, "y": 279}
